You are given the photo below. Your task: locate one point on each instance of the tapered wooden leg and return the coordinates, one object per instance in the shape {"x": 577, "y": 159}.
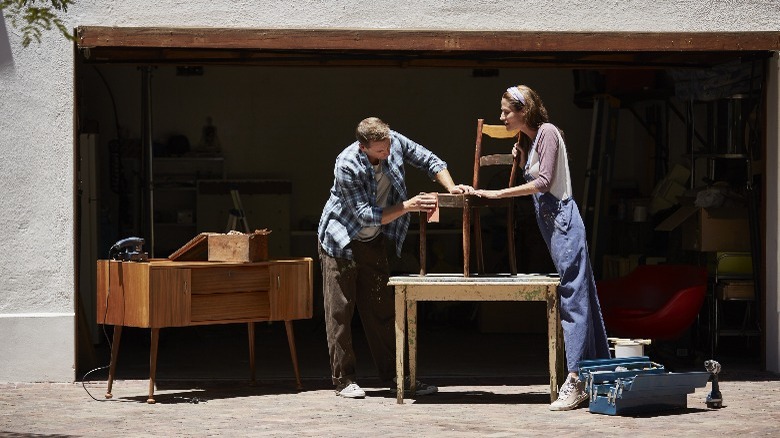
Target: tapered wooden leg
{"x": 293, "y": 352}
{"x": 114, "y": 354}
{"x": 251, "y": 332}
{"x": 153, "y": 363}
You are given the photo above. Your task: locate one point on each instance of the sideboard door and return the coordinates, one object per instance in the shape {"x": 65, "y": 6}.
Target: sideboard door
{"x": 291, "y": 290}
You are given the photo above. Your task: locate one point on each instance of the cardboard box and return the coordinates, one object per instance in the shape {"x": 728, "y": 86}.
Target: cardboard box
{"x": 736, "y": 290}
{"x": 669, "y": 189}
{"x": 238, "y": 247}
{"x": 710, "y": 229}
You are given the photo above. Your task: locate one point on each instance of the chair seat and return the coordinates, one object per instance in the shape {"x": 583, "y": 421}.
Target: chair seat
{"x": 449, "y": 200}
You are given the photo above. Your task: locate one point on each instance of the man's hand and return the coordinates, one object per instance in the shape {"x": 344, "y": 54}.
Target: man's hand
{"x": 461, "y": 189}
{"x": 422, "y": 202}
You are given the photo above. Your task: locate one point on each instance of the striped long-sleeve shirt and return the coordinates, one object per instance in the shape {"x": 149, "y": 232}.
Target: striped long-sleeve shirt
{"x": 352, "y": 203}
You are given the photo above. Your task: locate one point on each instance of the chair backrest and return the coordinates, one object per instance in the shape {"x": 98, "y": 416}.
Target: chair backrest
{"x": 504, "y": 159}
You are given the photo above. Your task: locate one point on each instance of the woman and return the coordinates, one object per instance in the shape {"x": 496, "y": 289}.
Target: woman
{"x": 546, "y": 170}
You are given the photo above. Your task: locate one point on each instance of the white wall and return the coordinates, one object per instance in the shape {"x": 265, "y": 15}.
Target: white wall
{"x": 37, "y": 145}
{"x": 36, "y": 210}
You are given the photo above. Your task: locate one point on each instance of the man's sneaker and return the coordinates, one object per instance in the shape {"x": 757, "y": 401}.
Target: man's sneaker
{"x": 351, "y": 391}
{"x": 420, "y": 387}
{"x": 570, "y": 396}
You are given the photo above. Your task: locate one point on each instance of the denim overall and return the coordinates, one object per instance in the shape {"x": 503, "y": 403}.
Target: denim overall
{"x": 564, "y": 232}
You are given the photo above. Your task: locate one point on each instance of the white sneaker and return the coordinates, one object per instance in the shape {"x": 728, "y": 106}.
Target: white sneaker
{"x": 570, "y": 396}
{"x": 351, "y": 391}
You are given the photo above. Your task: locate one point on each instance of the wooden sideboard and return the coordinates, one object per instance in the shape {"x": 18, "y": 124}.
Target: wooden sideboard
{"x": 164, "y": 293}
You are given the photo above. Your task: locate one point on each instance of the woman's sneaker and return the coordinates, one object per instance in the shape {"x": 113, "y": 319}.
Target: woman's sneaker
{"x": 351, "y": 391}
{"x": 570, "y": 396}
{"x": 420, "y": 387}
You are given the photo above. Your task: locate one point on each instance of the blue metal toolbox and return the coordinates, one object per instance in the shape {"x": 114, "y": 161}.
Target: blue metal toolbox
{"x": 631, "y": 385}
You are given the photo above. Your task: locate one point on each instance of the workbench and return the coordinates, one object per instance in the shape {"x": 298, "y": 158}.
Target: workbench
{"x": 454, "y": 287}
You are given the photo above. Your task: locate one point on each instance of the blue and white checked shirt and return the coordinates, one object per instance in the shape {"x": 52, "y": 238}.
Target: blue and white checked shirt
{"x": 352, "y": 203}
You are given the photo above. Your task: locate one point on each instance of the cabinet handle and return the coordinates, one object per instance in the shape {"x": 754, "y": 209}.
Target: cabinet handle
{"x": 278, "y": 282}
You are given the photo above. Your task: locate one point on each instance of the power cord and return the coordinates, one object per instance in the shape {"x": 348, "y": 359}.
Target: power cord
{"x": 105, "y": 333}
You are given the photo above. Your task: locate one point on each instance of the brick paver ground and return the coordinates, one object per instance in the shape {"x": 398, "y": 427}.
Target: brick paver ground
{"x": 464, "y": 408}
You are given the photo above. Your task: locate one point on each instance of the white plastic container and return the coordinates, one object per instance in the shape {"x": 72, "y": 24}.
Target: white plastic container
{"x": 629, "y": 349}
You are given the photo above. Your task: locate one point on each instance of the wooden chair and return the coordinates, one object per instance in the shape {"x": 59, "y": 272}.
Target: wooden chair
{"x": 470, "y": 204}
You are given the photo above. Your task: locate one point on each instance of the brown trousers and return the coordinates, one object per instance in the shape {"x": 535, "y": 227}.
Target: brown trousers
{"x": 360, "y": 282}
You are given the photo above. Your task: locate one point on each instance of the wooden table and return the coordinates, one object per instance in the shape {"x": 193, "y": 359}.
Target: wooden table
{"x": 164, "y": 293}
{"x": 453, "y": 287}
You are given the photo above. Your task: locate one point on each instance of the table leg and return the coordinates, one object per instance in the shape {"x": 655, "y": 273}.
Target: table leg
{"x": 153, "y": 363}
{"x": 411, "y": 328}
{"x": 251, "y": 335}
{"x": 400, "y": 340}
{"x": 556, "y": 352}
{"x": 293, "y": 352}
{"x": 114, "y": 354}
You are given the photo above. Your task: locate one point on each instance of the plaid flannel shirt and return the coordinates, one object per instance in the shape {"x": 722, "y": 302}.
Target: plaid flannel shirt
{"x": 352, "y": 202}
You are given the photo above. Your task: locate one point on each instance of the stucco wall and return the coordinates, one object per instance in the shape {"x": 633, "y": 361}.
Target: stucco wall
{"x": 36, "y": 125}
{"x": 570, "y": 15}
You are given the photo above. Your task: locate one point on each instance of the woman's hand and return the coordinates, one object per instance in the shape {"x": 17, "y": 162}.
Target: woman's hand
{"x": 461, "y": 189}
{"x": 518, "y": 150}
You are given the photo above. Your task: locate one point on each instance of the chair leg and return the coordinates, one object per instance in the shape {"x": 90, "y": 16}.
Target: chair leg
{"x": 510, "y": 233}
{"x": 423, "y": 220}
{"x": 478, "y": 242}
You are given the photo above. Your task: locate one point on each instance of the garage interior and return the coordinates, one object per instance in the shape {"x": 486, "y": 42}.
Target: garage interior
{"x": 651, "y": 122}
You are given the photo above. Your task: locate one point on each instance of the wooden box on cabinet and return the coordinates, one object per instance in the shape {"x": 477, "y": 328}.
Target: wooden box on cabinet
{"x": 239, "y": 247}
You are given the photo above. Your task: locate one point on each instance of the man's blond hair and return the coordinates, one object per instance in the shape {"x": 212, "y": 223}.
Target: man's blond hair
{"x": 372, "y": 129}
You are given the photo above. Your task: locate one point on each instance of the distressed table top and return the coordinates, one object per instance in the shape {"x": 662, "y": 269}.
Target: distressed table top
{"x": 474, "y": 278}
{"x": 456, "y": 287}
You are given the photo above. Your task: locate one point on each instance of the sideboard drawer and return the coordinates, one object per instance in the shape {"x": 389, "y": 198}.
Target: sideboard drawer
{"x": 224, "y": 307}
{"x": 230, "y": 279}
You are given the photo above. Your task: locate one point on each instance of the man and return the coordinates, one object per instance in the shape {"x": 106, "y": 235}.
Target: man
{"x": 367, "y": 210}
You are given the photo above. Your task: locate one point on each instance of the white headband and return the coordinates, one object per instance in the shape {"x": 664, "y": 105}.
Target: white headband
{"x": 516, "y": 95}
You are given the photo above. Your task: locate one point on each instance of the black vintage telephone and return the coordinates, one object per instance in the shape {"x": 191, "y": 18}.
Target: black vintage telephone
{"x": 129, "y": 249}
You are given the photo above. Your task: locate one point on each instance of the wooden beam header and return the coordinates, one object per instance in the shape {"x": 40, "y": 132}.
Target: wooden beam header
{"x": 422, "y": 40}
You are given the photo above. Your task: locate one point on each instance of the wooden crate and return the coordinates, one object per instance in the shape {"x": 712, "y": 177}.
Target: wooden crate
{"x": 238, "y": 247}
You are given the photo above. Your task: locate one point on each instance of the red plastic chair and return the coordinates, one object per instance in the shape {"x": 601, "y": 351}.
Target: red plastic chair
{"x": 655, "y": 302}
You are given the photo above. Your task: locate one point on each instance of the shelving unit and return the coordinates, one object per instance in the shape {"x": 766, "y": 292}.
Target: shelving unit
{"x": 176, "y": 198}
